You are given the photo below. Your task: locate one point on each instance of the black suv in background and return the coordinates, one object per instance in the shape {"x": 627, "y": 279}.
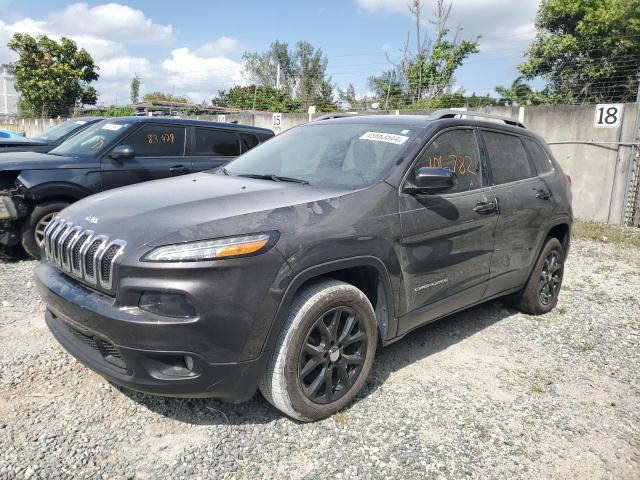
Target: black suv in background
{"x": 34, "y": 187}
{"x": 285, "y": 268}
{"x": 48, "y": 139}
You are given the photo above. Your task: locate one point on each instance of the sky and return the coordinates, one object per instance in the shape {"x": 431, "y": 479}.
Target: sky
{"x": 194, "y": 47}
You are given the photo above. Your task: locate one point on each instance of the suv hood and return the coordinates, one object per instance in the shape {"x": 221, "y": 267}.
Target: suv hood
{"x": 35, "y": 161}
{"x": 192, "y": 207}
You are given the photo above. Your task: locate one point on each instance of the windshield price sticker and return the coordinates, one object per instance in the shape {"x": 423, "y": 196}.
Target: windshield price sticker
{"x": 384, "y": 137}
{"x": 114, "y": 127}
{"x": 79, "y": 122}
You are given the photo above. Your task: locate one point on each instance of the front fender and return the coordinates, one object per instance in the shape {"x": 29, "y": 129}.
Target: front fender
{"x": 388, "y": 325}
{"x": 71, "y": 183}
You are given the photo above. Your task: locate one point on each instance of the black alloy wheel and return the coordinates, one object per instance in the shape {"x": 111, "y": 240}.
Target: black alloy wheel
{"x": 550, "y": 278}
{"x": 332, "y": 355}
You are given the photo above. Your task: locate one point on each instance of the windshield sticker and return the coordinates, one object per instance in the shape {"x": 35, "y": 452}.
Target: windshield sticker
{"x": 404, "y": 132}
{"x": 79, "y": 122}
{"x": 384, "y": 137}
{"x": 112, "y": 126}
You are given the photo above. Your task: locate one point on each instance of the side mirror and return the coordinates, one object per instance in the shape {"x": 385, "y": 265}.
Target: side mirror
{"x": 432, "y": 180}
{"x": 122, "y": 152}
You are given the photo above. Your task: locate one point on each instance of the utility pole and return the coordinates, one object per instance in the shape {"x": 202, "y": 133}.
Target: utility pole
{"x": 173, "y": 88}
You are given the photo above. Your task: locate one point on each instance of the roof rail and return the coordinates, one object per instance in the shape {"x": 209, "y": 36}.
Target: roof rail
{"x": 329, "y": 116}
{"x": 438, "y": 114}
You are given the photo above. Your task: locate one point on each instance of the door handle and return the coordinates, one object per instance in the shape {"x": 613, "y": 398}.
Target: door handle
{"x": 543, "y": 194}
{"x": 485, "y": 207}
{"x": 178, "y": 169}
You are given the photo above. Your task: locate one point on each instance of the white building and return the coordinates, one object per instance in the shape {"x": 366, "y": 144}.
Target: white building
{"x": 8, "y": 94}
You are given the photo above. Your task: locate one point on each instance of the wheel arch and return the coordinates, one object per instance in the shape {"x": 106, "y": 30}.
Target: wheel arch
{"x": 57, "y": 191}
{"x": 559, "y": 228}
{"x": 367, "y": 273}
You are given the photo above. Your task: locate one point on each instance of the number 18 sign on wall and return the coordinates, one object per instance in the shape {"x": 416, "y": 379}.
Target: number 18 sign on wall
{"x": 608, "y": 115}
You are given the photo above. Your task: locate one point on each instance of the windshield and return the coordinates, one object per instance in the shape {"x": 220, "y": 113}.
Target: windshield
{"x": 328, "y": 154}
{"x": 92, "y": 141}
{"x": 60, "y": 130}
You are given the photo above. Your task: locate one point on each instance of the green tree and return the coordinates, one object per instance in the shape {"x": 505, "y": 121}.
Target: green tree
{"x": 348, "y": 97}
{"x": 262, "y": 68}
{"x": 258, "y": 98}
{"x": 135, "y": 89}
{"x": 388, "y": 90}
{"x": 586, "y": 50}
{"x": 456, "y": 99}
{"x": 302, "y": 73}
{"x": 430, "y": 71}
{"x": 519, "y": 93}
{"x": 311, "y": 67}
{"x": 164, "y": 97}
{"x": 52, "y": 77}
{"x": 324, "y": 99}
{"x": 426, "y": 70}
{"x": 115, "y": 111}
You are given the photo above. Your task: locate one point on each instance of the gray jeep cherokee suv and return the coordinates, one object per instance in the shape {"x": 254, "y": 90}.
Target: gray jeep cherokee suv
{"x": 285, "y": 269}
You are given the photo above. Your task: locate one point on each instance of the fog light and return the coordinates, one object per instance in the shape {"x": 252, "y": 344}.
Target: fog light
{"x": 175, "y": 305}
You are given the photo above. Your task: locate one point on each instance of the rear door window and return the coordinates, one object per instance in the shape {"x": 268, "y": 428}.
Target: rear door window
{"x": 538, "y": 156}
{"x": 509, "y": 160}
{"x": 455, "y": 150}
{"x": 248, "y": 141}
{"x": 216, "y": 143}
{"x": 158, "y": 141}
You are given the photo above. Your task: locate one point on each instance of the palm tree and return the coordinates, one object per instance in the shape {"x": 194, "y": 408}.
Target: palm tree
{"x": 520, "y": 93}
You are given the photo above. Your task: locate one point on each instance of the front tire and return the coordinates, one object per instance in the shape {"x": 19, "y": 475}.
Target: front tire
{"x": 324, "y": 353}
{"x": 33, "y": 228}
{"x": 540, "y": 294}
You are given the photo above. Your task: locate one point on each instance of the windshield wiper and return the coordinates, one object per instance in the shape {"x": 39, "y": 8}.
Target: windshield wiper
{"x": 275, "y": 178}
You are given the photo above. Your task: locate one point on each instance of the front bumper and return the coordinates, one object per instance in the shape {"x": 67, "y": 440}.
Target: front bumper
{"x": 137, "y": 353}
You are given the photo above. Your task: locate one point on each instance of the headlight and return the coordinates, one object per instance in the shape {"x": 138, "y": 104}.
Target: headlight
{"x": 203, "y": 250}
{"x": 8, "y": 209}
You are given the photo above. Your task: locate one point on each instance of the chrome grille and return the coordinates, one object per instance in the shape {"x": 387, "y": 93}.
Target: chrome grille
{"x": 81, "y": 253}
{"x": 89, "y": 259}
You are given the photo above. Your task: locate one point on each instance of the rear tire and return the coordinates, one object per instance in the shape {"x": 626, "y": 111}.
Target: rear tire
{"x": 540, "y": 294}
{"x": 33, "y": 228}
{"x": 324, "y": 353}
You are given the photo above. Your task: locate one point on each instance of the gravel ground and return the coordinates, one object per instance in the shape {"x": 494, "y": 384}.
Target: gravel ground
{"x": 489, "y": 393}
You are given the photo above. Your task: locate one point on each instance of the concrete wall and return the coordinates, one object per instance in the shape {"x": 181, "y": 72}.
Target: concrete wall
{"x": 599, "y": 170}
{"x": 599, "y": 167}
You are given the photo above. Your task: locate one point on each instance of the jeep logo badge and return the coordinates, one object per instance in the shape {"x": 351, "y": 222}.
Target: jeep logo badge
{"x": 92, "y": 219}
